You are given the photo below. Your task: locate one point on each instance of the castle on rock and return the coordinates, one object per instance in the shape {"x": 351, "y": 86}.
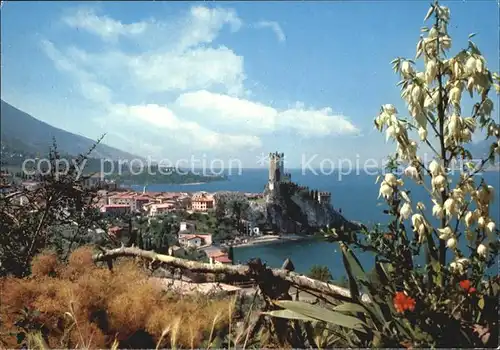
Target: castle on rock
{"x": 277, "y": 176}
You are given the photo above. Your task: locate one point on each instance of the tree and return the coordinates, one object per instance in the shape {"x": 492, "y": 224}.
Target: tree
{"x": 320, "y": 273}
{"x": 232, "y": 204}
{"x": 57, "y": 215}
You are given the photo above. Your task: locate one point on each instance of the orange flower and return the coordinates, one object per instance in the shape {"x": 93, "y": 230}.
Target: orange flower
{"x": 466, "y": 285}
{"x": 403, "y": 302}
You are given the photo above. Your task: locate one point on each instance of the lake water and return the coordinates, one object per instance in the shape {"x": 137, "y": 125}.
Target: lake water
{"x": 355, "y": 194}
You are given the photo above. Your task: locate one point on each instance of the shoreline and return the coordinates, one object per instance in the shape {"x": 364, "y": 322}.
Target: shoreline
{"x": 173, "y": 184}
{"x": 273, "y": 239}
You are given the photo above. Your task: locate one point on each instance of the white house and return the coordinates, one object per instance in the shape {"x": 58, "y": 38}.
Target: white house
{"x": 193, "y": 240}
{"x": 94, "y": 181}
{"x": 219, "y": 258}
{"x": 123, "y": 199}
{"x": 161, "y": 208}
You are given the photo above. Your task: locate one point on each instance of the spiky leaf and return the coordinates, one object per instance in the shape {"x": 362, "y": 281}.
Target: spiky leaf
{"x": 323, "y": 314}
{"x": 350, "y": 307}
{"x": 429, "y": 13}
{"x": 288, "y": 314}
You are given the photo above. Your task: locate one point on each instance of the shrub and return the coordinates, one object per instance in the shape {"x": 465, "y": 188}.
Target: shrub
{"x": 446, "y": 303}
{"x": 82, "y": 305}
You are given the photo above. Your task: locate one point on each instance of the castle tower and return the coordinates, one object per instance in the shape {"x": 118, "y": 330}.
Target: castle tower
{"x": 276, "y": 169}
{"x": 324, "y": 197}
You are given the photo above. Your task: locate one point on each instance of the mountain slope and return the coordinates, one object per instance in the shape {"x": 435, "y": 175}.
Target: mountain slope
{"x": 22, "y": 132}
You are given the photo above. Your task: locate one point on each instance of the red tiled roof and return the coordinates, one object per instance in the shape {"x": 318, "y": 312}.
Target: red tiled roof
{"x": 191, "y": 236}
{"x": 223, "y": 259}
{"x": 164, "y": 205}
{"x": 216, "y": 254}
{"x": 194, "y": 237}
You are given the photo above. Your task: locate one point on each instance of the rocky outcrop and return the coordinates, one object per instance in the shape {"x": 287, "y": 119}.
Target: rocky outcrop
{"x": 288, "y": 209}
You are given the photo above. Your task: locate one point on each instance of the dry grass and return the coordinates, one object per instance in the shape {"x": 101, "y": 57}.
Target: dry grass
{"x": 85, "y": 306}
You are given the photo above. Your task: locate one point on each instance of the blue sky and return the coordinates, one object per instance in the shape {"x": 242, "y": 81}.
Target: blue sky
{"x": 227, "y": 79}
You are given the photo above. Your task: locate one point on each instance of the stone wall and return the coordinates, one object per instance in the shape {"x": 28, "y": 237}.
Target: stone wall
{"x": 288, "y": 210}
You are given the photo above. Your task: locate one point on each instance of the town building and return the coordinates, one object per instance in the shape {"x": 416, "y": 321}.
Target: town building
{"x": 156, "y": 209}
{"x": 115, "y": 209}
{"x": 93, "y": 181}
{"x": 141, "y": 201}
{"x": 194, "y": 240}
{"x": 31, "y": 185}
{"x": 219, "y": 258}
{"x": 202, "y": 202}
{"x": 122, "y": 199}
{"x": 187, "y": 227}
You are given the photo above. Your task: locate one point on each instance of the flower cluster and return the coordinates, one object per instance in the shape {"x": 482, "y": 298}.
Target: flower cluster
{"x": 402, "y": 302}
{"x": 461, "y": 206}
{"x": 433, "y": 98}
{"x": 467, "y": 287}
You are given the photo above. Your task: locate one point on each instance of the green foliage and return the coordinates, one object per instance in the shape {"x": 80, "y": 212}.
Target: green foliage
{"x": 231, "y": 209}
{"x": 58, "y": 215}
{"x": 320, "y": 273}
{"x": 441, "y": 304}
{"x": 159, "y": 234}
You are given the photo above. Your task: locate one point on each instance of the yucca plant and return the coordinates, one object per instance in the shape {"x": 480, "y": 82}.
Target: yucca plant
{"x": 442, "y": 303}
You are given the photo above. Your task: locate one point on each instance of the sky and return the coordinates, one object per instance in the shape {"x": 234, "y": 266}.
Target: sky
{"x": 225, "y": 80}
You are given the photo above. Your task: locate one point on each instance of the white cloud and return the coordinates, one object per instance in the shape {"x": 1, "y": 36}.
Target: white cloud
{"x": 89, "y": 88}
{"x": 258, "y": 118}
{"x": 315, "y": 122}
{"x": 200, "y": 85}
{"x": 183, "y": 131}
{"x": 244, "y": 114}
{"x": 203, "y": 25}
{"x": 275, "y": 27}
{"x": 180, "y": 59}
{"x": 105, "y": 27}
{"x": 201, "y": 68}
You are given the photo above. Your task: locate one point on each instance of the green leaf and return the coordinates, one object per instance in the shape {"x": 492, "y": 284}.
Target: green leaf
{"x": 474, "y": 49}
{"x": 480, "y": 303}
{"x": 349, "y": 307}
{"x": 323, "y": 314}
{"x": 20, "y": 337}
{"x": 376, "y": 311}
{"x": 354, "y": 264}
{"x": 472, "y": 35}
{"x": 288, "y": 314}
{"x": 401, "y": 328}
{"x": 429, "y": 13}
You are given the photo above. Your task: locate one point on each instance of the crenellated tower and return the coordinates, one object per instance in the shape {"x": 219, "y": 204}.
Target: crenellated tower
{"x": 324, "y": 197}
{"x": 277, "y": 169}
